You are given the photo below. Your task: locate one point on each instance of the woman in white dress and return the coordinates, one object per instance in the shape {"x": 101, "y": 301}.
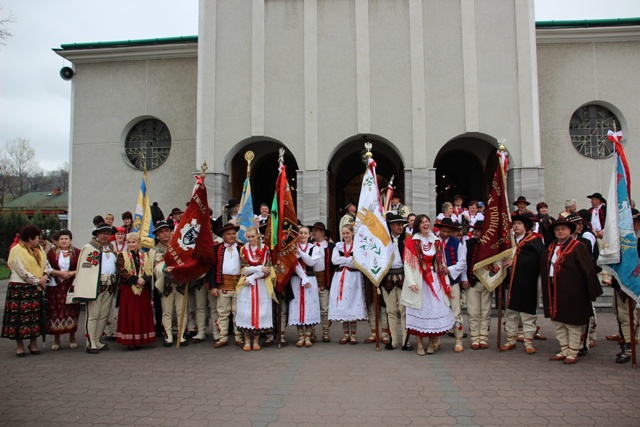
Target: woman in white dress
{"x": 254, "y": 291}
{"x": 304, "y": 308}
{"x": 425, "y": 289}
{"x": 346, "y": 297}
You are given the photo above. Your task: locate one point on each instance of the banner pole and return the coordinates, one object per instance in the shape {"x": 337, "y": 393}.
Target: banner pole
{"x": 632, "y": 330}
{"x": 499, "y": 315}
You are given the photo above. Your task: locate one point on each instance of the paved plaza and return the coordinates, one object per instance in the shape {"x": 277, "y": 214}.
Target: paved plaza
{"x": 328, "y": 384}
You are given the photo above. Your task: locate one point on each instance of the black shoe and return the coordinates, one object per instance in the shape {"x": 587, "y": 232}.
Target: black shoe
{"x": 104, "y": 348}
{"x": 133, "y": 348}
{"x": 196, "y": 340}
{"x": 451, "y": 334}
{"x": 184, "y": 343}
{"x": 623, "y": 358}
{"x": 167, "y": 343}
{"x": 407, "y": 347}
{"x": 34, "y": 352}
{"x": 583, "y": 352}
{"x": 464, "y": 335}
{"x": 23, "y": 354}
{"x": 93, "y": 351}
{"x": 389, "y": 347}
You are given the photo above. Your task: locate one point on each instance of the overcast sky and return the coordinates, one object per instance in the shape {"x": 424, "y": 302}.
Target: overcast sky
{"x": 35, "y": 101}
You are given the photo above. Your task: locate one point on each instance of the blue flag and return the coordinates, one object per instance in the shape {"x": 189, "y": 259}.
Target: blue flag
{"x": 619, "y": 254}
{"x": 245, "y": 214}
{"x": 142, "y": 217}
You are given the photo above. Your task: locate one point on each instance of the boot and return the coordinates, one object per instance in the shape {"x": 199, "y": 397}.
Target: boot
{"x": 510, "y": 344}
{"x": 300, "y": 342}
{"x": 625, "y": 355}
{"x": 256, "y": 345}
{"x": 307, "y": 339}
{"x": 372, "y": 337}
{"x": 528, "y": 346}
{"x": 346, "y": 337}
{"x": 247, "y": 343}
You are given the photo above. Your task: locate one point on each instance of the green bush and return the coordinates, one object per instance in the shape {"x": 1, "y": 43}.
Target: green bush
{"x": 12, "y": 222}
{"x": 4, "y": 272}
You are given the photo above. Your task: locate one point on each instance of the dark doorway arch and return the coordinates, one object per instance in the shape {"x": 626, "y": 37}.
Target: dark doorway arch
{"x": 264, "y": 172}
{"x": 346, "y": 169}
{"x": 465, "y": 165}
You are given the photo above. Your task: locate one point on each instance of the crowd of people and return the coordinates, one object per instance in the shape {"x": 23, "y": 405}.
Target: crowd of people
{"x": 132, "y": 297}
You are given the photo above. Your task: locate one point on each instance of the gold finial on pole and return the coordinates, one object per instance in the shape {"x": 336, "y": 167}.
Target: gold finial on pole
{"x": 367, "y": 146}
{"x": 203, "y": 169}
{"x": 502, "y": 142}
{"x": 248, "y": 156}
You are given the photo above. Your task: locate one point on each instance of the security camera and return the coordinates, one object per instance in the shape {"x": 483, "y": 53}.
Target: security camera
{"x": 66, "y": 73}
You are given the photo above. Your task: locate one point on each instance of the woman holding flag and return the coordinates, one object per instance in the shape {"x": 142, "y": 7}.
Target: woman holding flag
{"x": 425, "y": 287}
{"x": 255, "y": 290}
{"x": 304, "y": 308}
{"x": 346, "y": 297}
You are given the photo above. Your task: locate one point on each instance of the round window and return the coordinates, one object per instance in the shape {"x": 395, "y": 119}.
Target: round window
{"x": 148, "y": 144}
{"x": 588, "y": 129}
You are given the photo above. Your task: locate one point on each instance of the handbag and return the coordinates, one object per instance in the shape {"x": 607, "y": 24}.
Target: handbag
{"x": 70, "y": 295}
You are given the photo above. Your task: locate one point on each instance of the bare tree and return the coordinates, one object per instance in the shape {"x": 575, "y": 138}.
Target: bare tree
{"x": 22, "y": 164}
{"x": 5, "y": 34}
{"x": 5, "y": 176}
{"x": 59, "y": 177}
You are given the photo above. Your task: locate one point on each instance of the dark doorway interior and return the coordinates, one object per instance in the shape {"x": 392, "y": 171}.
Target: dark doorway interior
{"x": 347, "y": 168}
{"x": 264, "y": 172}
{"x": 459, "y": 172}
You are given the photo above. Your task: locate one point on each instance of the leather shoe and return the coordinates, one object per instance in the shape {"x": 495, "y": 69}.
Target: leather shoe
{"x": 484, "y": 346}
{"x": 570, "y": 360}
{"x": 407, "y": 347}
{"x": 559, "y": 357}
{"x": 389, "y": 347}
{"x": 530, "y": 350}
{"x": 196, "y": 340}
{"x": 93, "y": 351}
{"x": 475, "y": 346}
{"x": 539, "y": 337}
{"x": 622, "y": 358}
{"x": 167, "y": 343}
{"x": 614, "y": 337}
{"x": 104, "y": 348}
{"x": 421, "y": 351}
{"x": 220, "y": 343}
{"x": 184, "y": 343}
{"x": 326, "y": 338}
{"x": 507, "y": 347}
{"x": 21, "y": 354}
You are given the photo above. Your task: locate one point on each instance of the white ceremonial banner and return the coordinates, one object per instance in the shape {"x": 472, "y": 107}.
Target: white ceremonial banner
{"x": 372, "y": 244}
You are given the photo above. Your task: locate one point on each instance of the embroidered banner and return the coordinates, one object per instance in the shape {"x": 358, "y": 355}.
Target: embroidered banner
{"x": 372, "y": 245}
{"x": 497, "y": 242}
{"x": 245, "y": 215}
{"x": 190, "y": 251}
{"x": 619, "y": 252}
{"x": 142, "y": 217}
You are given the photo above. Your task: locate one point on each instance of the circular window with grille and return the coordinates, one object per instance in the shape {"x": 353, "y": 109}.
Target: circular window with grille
{"x": 588, "y": 129}
{"x": 148, "y": 143}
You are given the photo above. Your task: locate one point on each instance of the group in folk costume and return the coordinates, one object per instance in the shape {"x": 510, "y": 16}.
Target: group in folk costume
{"x": 455, "y": 265}
{"x": 523, "y": 292}
{"x": 304, "y": 308}
{"x": 323, "y": 271}
{"x": 569, "y": 285}
{"x": 135, "y": 318}
{"x": 346, "y": 296}
{"x": 478, "y": 296}
{"x": 222, "y": 280}
{"x": 425, "y": 289}
{"x": 95, "y": 284}
{"x": 255, "y": 290}
{"x": 63, "y": 317}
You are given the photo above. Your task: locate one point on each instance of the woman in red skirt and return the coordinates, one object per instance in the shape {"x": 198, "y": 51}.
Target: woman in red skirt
{"x": 135, "y": 317}
{"x": 63, "y": 317}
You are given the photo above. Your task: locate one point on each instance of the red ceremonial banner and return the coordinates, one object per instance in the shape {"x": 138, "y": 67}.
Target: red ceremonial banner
{"x": 283, "y": 248}
{"x": 496, "y": 242}
{"x": 190, "y": 251}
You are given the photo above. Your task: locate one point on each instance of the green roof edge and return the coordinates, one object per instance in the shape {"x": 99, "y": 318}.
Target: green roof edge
{"x": 194, "y": 39}
{"x": 126, "y": 43}
{"x": 589, "y": 23}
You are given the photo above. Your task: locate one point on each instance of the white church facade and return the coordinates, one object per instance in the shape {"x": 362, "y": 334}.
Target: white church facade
{"x": 433, "y": 84}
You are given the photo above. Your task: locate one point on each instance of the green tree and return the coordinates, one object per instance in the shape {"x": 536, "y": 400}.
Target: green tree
{"x": 10, "y": 225}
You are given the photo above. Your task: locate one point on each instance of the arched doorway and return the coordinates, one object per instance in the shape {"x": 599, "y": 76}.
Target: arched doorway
{"x": 346, "y": 168}
{"x": 465, "y": 165}
{"x": 264, "y": 171}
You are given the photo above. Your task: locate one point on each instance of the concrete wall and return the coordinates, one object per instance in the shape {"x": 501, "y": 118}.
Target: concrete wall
{"x": 108, "y": 99}
{"x": 572, "y": 74}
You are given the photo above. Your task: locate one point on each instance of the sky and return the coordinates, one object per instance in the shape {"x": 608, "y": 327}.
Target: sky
{"x": 35, "y": 103}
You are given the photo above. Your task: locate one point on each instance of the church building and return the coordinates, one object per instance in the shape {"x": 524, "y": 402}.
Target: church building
{"x": 434, "y": 85}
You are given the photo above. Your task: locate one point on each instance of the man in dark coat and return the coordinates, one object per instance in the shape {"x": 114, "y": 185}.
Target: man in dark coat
{"x": 522, "y": 299}
{"x": 569, "y": 286}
